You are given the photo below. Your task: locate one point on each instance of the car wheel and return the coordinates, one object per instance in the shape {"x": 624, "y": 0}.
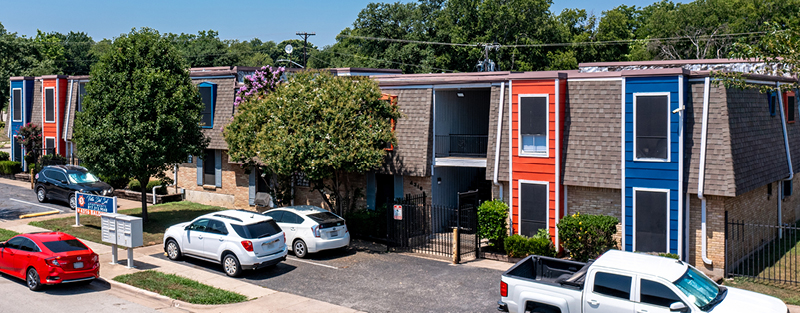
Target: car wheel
{"x": 32, "y": 279}
{"x": 300, "y": 249}
{"x": 231, "y": 265}
{"x": 72, "y": 201}
{"x": 173, "y": 251}
{"x": 41, "y": 194}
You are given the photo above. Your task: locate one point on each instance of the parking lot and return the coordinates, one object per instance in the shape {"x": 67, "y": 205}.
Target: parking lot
{"x": 16, "y": 200}
{"x": 378, "y": 282}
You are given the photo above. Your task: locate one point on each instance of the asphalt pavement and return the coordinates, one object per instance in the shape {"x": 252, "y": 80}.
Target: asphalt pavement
{"x": 378, "y": 282}
{"x": 16, "y": 198}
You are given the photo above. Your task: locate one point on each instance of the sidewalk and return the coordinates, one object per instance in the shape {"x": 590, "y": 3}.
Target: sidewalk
{"x": 261, "y": 299}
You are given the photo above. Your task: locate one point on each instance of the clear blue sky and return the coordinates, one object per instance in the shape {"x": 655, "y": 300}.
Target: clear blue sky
{"x": 265, "y": 19}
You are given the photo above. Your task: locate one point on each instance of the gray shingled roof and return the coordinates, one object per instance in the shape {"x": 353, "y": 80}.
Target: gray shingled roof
{"x": 412, "y": 154}
{"x": 502, "y": 174}
{"x": 223, "y": 109}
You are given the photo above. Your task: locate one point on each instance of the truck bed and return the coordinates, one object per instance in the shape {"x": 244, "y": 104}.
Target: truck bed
{"x": 552, "y": 271}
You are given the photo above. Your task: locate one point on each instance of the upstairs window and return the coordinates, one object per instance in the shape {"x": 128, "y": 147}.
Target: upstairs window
{"x": 207, "y": 93}
{"x": 49, "y": 105}
{"x": 651, "y": 127}
{"x": 790, "y": 106}
{"x": 81, "y": 95}
{"x": 772, "y": 98}
{"x": 49, "y": 145}
{"x": 17, "y": 95}
{"x": 533, "y": 125}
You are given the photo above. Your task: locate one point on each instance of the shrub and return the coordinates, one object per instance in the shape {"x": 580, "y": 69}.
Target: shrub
{"x": 587, "y": 236}
{"x": 518, "y": 246}
{"x": 10, "y": 167}
{"x": 4, "y": 156}
{"x": 669, "y": 255}
{"x": 492, "y": 218}
{"x": 134, "y": 185}
{"x": 367, "y": 223}
{"x": 116, "y": 182}
{"x": 52, "y": 159}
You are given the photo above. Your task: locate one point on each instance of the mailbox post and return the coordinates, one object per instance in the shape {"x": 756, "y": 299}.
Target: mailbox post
{"x": 122, "y": 230}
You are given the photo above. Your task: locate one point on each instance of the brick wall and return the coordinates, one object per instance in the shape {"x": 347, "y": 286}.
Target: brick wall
{"x": 234, "y": 182}
{"x": 597, "y": 201}
{"x": 309, "y": 196}
{"x": 715, "y": 231}
{"x": 496, "y": 191}
{"x": 412, "y": 185}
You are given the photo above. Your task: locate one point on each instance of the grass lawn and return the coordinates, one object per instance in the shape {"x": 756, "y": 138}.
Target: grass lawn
{"x": 160, "y": 217}
{"x": 180, "y": 288}
{"x": 787, "y": 293}
{"x": 5, "y": 234}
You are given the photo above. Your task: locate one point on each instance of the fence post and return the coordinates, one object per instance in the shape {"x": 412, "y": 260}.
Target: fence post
{"x": 32, "y": 184}
{"x": 456, "y": 247}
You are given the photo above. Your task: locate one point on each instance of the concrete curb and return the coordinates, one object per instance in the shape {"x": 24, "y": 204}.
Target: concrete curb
{"x": 167, "y": 301}
{"x": 39, "y": 214}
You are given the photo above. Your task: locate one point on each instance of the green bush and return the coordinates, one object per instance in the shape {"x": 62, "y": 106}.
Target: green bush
{"x": 367, "y": 223}
{"x": 492, "y": 221}
{"x": 116, "y": 182}
{"x": 10, "y": 167}
{"x": 518, "y": 246}
{"x": 587, "y": 236}
{"x": 669, "y": 255}
{"x": 4, "y": 156}
{"x": 52, "y": 159}
{"x": 134, "y": 185}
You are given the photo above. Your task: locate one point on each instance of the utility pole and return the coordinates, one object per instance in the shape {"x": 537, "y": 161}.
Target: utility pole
{"x": 487, "y": 65}
{"x": 305, "y": 35}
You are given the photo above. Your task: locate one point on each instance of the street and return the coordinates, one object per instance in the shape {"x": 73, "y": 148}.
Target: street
{"x": 96, "y": 297}
{"x": 16, "y": 201}
{"x": 378, "y": 282}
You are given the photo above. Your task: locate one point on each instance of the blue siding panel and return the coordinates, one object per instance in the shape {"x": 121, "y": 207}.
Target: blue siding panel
{"x": 655, "y": 175}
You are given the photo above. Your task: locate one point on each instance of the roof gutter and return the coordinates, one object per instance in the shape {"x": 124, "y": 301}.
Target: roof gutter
{"x": 788, "y": 159}
{"x": 497, "y": 141}
{"x": 702, "y": 178}
{"x": 69, "y": 107}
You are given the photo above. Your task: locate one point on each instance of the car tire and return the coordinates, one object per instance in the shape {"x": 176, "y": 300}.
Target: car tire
{"x": 41, "y": 194}
{"x": 173, "y": 250}
{"x": 32, "y": 279}
{"x": 300, "y": 248}
{"x": 231, "y": 266}
{"x": 73, "y": 204}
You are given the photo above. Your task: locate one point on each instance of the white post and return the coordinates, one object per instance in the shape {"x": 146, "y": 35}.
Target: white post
{"x": 114, "y": 253}
{"x": 130, "y": 258}
{"x": 77, "y": 217}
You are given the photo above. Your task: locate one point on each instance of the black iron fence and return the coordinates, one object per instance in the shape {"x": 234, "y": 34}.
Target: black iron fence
{"x": 762, "y": 252}
{"x": 461, "y": 145}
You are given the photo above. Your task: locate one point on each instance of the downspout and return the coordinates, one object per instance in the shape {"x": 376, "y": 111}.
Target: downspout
{"x": 788, "y": 160}
{"x": 701, "y": 180}
{"x": 497, "y": 141}
{"x": 510, "y": 159}
{"x": 66, "y": 117}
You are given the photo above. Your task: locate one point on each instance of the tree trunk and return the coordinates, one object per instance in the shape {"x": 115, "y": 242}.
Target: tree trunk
{"x": 143, "y": 184}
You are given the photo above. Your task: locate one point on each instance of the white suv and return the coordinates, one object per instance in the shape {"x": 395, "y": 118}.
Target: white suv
{"x": 310, "y": 229}
{"x": 234, "y": 238}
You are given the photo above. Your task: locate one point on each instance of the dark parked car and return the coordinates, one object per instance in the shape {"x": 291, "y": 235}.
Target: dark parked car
{"x": 60, "y": 182}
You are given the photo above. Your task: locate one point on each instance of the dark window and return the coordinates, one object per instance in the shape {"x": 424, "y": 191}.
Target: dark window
{"x": 275, "y": 215}
{"x": 17, "y": 150}
{"x": 81, "y": 95}
{"x": 533, "y": 124}
{"x": 787, "y": 188}
{"x": 28, "y": 245}
{"x": 613, "y": 285}
{"x": 652, "y": 127}
{"x": 790, "y": 108}
{"x": 533, "y": 207}
{"x": 209, "y": 168}
{"x": 324, "y": 217}
{"x": 50, "y": 145}
{"x": 651, "y": 221}
{"x": 657, "y": 294}
{"x": 49, "y": 105}
{"x": 772, "y": 98}
{"x": 291, "y": 218}
{"x": 257, "y": 230}
{"x": 17, "y": 104}
{"x": 216, "y": 227}
{"x": 262, "y": 182}
{"x": 65, "y": 245}
{"x": 199, "y": 225}
{"x": 57, "y": 176}
{"x": 208, "y": 107}
{"x": 15, "y": 242}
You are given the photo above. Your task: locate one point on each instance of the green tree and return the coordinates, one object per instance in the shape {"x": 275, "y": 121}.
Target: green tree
{"x": 324, "y": 126}
{"x": 141, "y": 111}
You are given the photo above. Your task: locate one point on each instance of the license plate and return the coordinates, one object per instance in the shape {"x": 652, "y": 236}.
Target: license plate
{"x": 77, "y": 265}
{"x": 334, "y": 233}
{"x": 268, "y": 245}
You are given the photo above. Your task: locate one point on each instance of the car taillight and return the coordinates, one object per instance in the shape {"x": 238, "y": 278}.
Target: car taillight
{"x": 53, "y": 261}
{"x": 503, "y": 289}
{"x": 315, "y": 230}
{"x": 284, "y": 237}
{"x": 248, "y": 245}
{"x": 94, "y": 258}
{"x": 345, "y": 229}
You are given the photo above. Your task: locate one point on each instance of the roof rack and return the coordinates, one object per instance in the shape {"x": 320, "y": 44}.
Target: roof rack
{"x": 228, "y": 217}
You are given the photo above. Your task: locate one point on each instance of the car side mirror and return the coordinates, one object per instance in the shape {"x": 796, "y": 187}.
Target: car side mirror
{"x": 2, "y": 244}
{"x": 677, "y": 307}
{"x": 187, "y": 227}
{"x": 63, "y": 181}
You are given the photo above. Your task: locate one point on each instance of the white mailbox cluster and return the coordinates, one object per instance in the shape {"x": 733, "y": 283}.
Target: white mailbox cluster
{"x": 122, "y": 230}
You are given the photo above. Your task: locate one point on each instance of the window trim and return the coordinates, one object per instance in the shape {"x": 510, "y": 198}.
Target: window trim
{"x": 55, "y": 105}
{"x": 55, "y": 145}
{"x": 632, "y": 293}
{"x": 633, "y": 208}
{"x": 669, "y": 127}
{"x": 790, "y": 118}
{"x": 520, "y": 151}
{"x": 519, "y": 202}
{"x": 21, "y": 105}
{"x": 212, "y": 87}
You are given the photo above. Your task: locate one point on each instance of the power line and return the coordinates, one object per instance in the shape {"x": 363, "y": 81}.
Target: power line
{"x": 400, "y": 63}
{"x": 305, "y": 36}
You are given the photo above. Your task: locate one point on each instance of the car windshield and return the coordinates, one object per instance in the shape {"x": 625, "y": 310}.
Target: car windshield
{"x": 257, "y": 230}
{"x": 324, "y": 217}
{"x": 698, "y": 288}
{"x": 82, "y": 178}
{"x": 65, "y": 245}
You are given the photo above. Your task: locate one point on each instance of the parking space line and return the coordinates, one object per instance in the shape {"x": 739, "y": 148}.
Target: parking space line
{"x": 30, "y": 203}
{"x": 312, "y": 263}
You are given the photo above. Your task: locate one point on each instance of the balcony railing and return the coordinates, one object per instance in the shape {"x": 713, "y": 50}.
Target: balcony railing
{"x": 461, "y": 145}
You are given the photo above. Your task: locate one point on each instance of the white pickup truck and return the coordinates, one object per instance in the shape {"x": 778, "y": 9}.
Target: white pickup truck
{"x": 622, "y": 282}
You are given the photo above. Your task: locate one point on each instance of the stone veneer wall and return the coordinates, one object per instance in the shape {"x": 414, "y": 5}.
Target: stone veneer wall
{"x": 308, "y": 196}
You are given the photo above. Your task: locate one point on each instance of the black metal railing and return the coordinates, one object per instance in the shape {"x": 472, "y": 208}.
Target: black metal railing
{"x": 762, "y": 252}
{"x": 461, "y": 145}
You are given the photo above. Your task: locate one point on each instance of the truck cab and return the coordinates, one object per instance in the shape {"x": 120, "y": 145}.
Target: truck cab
{"x": 622, "y": 282}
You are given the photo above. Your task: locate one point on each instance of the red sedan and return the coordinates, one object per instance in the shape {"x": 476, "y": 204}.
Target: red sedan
{"x": 48, "y": 258}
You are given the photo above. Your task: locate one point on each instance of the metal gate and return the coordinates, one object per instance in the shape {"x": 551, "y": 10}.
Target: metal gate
{"x": 762, "y": 252}
{"x": 420, "y": 227}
